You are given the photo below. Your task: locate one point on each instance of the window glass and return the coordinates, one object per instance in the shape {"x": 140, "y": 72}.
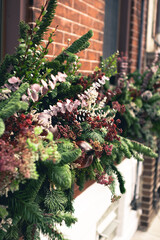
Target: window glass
{"x": 111, "y": 27}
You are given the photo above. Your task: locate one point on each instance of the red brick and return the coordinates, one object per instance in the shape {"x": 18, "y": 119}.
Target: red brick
{"x": 36, "y": 14}
{"x": 96, "y": 46}
{"x": 97, "y": 36}
{"x": 59, "y": 37}
{"x": 58, "y": 49}
{"x": 80, "y": 6}
{"x": 94, "y": 65}
{"x": 69, "y": 36}
{"x": 82, "y": 54}
{"x": 66, "y": 2}
{"x": 86, "y": 20}
{"x": 67, "y": 13}
{"x": 91, "y": 55}
{"x": 85, "y": 65}
{"x": 95, "y": 13}
{"x": 79, "y": 30}
{"x": 63, "y": 24}
{"x": 98, "y": 25}
{"x": 97, "y": 4}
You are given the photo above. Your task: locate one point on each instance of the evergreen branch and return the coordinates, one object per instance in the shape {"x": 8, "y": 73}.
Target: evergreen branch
{"x": 60, "y": 176}
{"x": 23, "y": 30}
{"x": 71, "y": 156}
{"x": 55, "y": 201}
{"x": 75, "y": 47}
{"x": 31, "y": 189}
{"x": 2, "y": 127}
{"x": 154, "y": 98}
{"x": 46, "y": 21}
{"x": 140, "y": 148}
{"x": 120, "y": 178}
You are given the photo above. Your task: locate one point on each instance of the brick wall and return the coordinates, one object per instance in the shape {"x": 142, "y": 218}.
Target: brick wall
{"x": 147, "y": 191}
{"x": 74, "y": 18}
{"x": 150, "y": 192}
{"x": 135, "y": 27}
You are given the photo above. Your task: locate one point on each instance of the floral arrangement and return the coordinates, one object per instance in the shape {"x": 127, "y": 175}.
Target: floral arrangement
{"x": 140, "y": 95}
{"x": 57, "y": 128}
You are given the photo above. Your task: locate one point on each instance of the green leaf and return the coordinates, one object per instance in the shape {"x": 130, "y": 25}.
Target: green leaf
{"x": 61, "y": 176}
{"x": 2, "y": 127}
{"x": 3, "y": 212}
{"x": 70, "y": 156}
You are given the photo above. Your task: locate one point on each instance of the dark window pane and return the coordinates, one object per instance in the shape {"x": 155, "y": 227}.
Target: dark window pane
{"x": 111, "y": 27}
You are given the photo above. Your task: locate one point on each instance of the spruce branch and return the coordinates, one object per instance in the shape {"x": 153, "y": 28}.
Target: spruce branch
{"x": 119, "y": 177}
{"x": 76, "y": 46}
{"x": 45, "y": 22}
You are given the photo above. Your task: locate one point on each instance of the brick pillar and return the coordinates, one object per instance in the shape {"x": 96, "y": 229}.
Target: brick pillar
{"x": 147, "y": 192}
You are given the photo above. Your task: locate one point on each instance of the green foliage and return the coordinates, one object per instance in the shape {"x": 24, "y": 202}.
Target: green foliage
{"x": 109, "y": 65}
{"x": 9, "y": 106}
{"x": 94, "y": 135}
{"x": 42, "y": 203}
{"x": 2, "y": 127}
{"x": 55, "y": 201}
{"x": 76, "y": 46}
{"x": 120, "y": 178}
{"x": 23, "y": 30}
{"x": 43, "y": 25}
{"x": 67, "y": 157}
{"x": 61, "y": 176}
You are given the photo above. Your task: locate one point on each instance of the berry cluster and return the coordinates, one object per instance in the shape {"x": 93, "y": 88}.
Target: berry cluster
{"x": 120, "y": 108}
{"x": 66, "y": 132}
{"x": 104, "y": 179}
{"x": 16, "y": 126}
{"x": 97, "y": 122}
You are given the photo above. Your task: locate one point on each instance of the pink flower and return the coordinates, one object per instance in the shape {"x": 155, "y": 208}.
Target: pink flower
{"x": 36, "y": 87}
{"x": 61, "y": 77}
{"x": 84, "y": 103}
{"x": 54, "y": 79}
{"x": 25, "y": 98}
{"x": 34, "y": 95}
{"x": 53, "y": 110}
{"x": 44, "y": 89}
{"x": 14, "y": 80}
{"x": 51, "y": 84}
{"x": 69, "y": 105}
{"x": 44, "y": 118}
{"x": 61, "y": 107}
{"x": 76, "y": 103}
